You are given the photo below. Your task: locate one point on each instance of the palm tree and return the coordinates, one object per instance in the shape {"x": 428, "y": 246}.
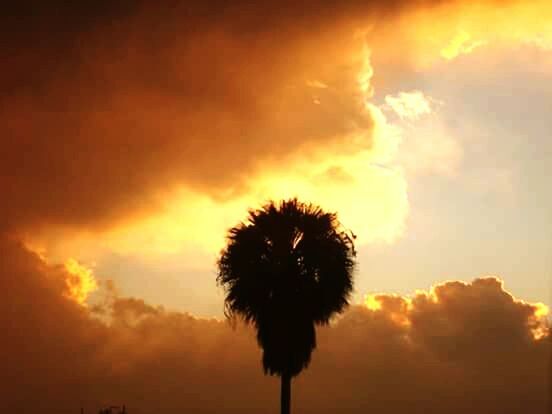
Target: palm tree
{"x": 287, "y": 268}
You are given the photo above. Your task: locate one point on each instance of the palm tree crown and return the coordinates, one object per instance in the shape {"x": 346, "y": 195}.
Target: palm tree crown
{"x": 287, "y": 268}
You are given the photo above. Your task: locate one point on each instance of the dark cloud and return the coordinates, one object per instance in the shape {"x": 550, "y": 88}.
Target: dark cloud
{"x": 464, "y": 348}
{"x": 107, "y": 106}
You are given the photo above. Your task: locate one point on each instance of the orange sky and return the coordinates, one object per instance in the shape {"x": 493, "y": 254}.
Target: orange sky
{"x": 136, "y": 134}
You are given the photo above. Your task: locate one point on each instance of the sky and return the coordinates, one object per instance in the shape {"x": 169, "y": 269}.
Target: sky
{"x": 135, "y": 135}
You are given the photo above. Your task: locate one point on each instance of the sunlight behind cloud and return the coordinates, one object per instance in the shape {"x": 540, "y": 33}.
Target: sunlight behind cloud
{"x": 80, "y": 281}
{"x": 450, "y": 30}
{"x": 356, "y": 177}
{"x": 362, "y": 172}
{"x": 370, "y": 199}
{"x": 541, "y": 310}
{"x": 372, "y": 302}
{"x": 461, "y": 43}
{"x": 353, "y": 174}
{"x": 450, "y": 294}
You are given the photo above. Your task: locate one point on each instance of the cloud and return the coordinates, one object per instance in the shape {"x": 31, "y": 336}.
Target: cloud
{"x": 340, "y": 174}
{"x": 409, "y": 105}
{"x": 108, "y": 110}
{"x": 193, "y": 221}
{"x": 425, "y": 143}
{"x": 111, "y": 113}
{"x": 80, "y": 281}
{"x": 467, "y": 345}
{"x": 434, "y": 38}
{"x": 157, "y": 126}
{"x": 461, "y": 43}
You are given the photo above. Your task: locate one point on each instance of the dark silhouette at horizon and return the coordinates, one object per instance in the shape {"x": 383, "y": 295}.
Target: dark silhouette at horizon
{"x": 114, "y": 409}
{"x": 288, "y": 268}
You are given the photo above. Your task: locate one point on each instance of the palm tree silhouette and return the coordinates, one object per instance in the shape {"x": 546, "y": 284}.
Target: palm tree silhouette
{"x": 287, "y": 268}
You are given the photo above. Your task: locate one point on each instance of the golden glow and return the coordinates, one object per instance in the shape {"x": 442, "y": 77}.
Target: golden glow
{"x": 446, "y": 32}
{"x": 352, "y": 175}
{"x": 399, "y": 308}
{"x": 395, "y": 307}
{"x": 541, "y": 310}
{"x": 369, "y": 199}
{"x": 372, "y": 302}
{"x": 365, "y": 75}
{"x": 80, "y": 281}
{"x": 363, "y": 175}
{"x": 461, "y": 43}
{"x": 541, "y": 325}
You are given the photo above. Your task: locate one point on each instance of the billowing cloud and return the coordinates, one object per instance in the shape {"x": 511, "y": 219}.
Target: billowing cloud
{"x": 157, "y": 126}
{"x": 114, "y": 113}
{"x": 342, "y": 182}
{"x": 102, "y": 120}
{"x": 456, "y": 348}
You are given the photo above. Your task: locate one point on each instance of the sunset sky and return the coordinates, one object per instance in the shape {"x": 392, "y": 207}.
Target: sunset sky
{"x": 134, "y": 135}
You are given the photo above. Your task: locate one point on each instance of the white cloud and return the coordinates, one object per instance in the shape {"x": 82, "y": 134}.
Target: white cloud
{"x": 427, "y": 145}
{"x": 409, "y": 105}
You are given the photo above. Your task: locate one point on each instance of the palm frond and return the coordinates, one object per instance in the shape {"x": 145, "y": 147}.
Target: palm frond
{"x": 288, "y": 267}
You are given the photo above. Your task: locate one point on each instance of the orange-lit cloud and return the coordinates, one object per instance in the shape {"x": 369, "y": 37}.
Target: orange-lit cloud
{"x": 80, "y": 281}
{"x": 350, "y": 174}
{"x": 388, "y": 357}
{"x": 461, "y": 43}
{"x": 211, "y": 103}
{"x": 451, "y": 29}
{"x": 152, "y": 129}
{"x": 403, "y": 310}
{"x": 125, "y": 129}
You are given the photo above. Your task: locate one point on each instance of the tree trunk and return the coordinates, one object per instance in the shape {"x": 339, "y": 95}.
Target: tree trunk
{"x": 285, "y": 395}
